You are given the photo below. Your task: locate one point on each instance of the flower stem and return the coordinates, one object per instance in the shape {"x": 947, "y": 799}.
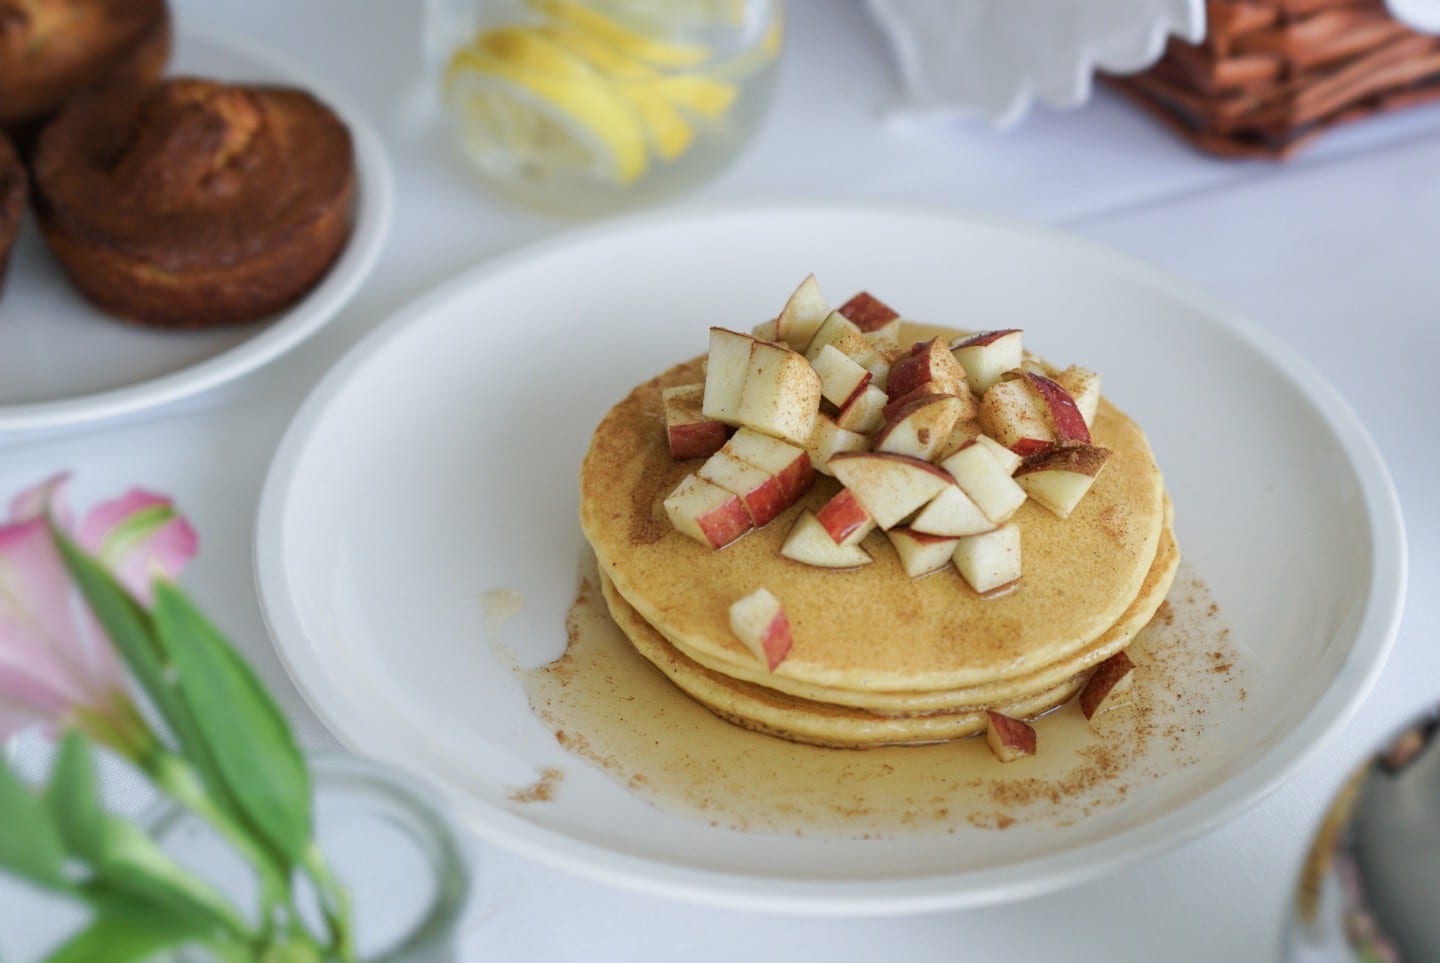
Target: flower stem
{"x": 334, "y": 902}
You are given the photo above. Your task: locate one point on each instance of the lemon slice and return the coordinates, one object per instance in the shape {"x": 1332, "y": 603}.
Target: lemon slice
{"x": 545, "y": 106}
{"x": 630, "y": 43}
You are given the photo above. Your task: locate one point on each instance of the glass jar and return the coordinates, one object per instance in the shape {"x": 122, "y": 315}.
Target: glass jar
{"x": 583, "y": 107}
{"x": 407, "y": 876}
{"x": 1367, "y": 890}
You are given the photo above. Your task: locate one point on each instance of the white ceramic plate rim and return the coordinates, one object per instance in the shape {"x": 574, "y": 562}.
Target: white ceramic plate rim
{"x": 1376, "y": 628}
{"x": 372, "y": 226}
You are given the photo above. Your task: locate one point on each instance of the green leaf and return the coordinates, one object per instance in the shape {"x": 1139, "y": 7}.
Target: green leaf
{"x": 132, "y": 630}
{"x": 30, "y": 846}
{"x": 128, "y": 934}
{"x": 72, "y": 800}
{"x": 247, "y": 735}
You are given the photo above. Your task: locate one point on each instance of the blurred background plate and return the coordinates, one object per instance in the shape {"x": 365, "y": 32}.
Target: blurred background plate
{"x": 64, "y": 362}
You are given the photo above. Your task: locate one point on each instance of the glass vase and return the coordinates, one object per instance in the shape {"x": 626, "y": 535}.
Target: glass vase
{"x": 386, "y": 842}
{"x": 583, "y": 107}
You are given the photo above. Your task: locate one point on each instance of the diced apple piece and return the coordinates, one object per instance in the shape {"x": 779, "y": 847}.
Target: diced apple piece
{"x": 921, "y": 553}
{"x": 1110, "y": 681}
{"x": 726, "y": 367}
{"x": 1059, "y": 477}
{"x": 788, "y": 464}
{"x": 829, "y": 439}
{"x": 1008, "y": 738}
{"x": 760, "y": 490}
{"x": 810, "y": 544}
{"x": 707, "y": 513}
{"x": 865, "y": 412}
{"x": 1065, "y": 417}
{"x": 885, "y": 338}
{"x": 802, "y": 315}
{"x": 986, "y": 481}
{"x": 1084, "y": 386}
{"x": 952, "y": 513}
{"x": 988, "y": 355}
{"x": 1012, "y": 413}
{"x": 868, "y": 312}
{"x": 781, "y": 394}
{"x": 841, "y": 377}
{"x": 927, "y": 363}
{"x": 890, "y": 486}
{"x": 839, "y": 331}
{"x": 689, "y": 432}
{"x": 991, "y": 560}
{"x": 920, "y": 427}
{"x": 765, "y": 331}
{"x": 845, "y": 519}
{"x": 759, "y": 620}
{"x": 1008, "y": 459}
{"x": 962, "y": 434}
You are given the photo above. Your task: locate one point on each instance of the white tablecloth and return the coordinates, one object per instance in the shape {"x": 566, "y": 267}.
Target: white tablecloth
{"x": 1336, "y": 252}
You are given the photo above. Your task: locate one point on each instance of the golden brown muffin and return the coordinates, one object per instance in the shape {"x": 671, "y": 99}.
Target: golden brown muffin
{"x": 12, "y": 201}
{"x": 192, "y": 203}
{"x": 51, "y": 50}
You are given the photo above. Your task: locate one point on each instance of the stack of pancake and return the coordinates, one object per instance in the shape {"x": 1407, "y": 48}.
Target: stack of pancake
{"x": 878, "y": 658}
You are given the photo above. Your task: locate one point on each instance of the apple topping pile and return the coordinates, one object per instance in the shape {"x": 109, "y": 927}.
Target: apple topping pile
{"x": 936, "y": 444}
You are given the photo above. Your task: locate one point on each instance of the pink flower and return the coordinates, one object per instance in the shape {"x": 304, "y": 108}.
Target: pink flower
{"x": 57, "y": 666}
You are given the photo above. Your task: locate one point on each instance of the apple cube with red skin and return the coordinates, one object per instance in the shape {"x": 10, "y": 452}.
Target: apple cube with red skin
{"x": 802, "y": 315}
{"x": 841, "y": 377}
{"x": 865, "y": 412}
{"x": 845, "y": 519}
{"x": 919, "y": 428}
{"x": 781, "y": 394}
{"x": 1013, "y": 414}
{"x": 1084, "y": 386}
{"x": 962, "y": 434}
{"x": 986, "y": 481}
{"x": 989, "y": 561}
{"x": 689, "y": 433}
{"x": 868, "y": 312}
{"x": 757, "y": 488}
{"x": 885, "y": 338}
{"x": 809, "y": 544}
{"x": 890, "y": 486}
{"x": 827, "y": 439}
{"x": 789, "y": 465}
{"x": 921, "y": 553}
{"x": 1008, "y": 459}
{"x": 1008, "y": 738}
{"x": 1108, "y": 684}
{"x": 759, "y": 621}
{"x": 988, "y": 355}
{"x": 1059, "y": 477}
{"x": 707, "y": 513}
{"x": 1065, "y": 417}
{"x": 952, "y": 513}
{"x": 927, "y": 363}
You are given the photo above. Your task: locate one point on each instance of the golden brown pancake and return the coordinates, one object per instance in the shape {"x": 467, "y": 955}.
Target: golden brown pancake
{"x": 871, "y": 629}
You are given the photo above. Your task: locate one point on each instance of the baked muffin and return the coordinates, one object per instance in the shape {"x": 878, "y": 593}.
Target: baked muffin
{"x": 52, "y": 49}
{"x": 12, "y": 202}
{"x": 192, "y": 203}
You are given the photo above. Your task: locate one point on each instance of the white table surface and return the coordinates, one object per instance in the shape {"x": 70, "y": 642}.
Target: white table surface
{"x": 1335, "y": 252}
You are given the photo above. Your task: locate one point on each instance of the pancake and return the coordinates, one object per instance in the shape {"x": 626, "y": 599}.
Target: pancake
{"x": 754, "y": 705}
{"x": 873, "y": 629}
{"x": 777, "y": 714}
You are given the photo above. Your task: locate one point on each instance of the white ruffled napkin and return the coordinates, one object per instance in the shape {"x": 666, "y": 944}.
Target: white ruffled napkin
{"x": 993, "y": 58}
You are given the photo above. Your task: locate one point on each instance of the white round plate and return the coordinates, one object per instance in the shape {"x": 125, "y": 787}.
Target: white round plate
{"x": 439, "y": 460}
{"x": 63, "y": 361}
